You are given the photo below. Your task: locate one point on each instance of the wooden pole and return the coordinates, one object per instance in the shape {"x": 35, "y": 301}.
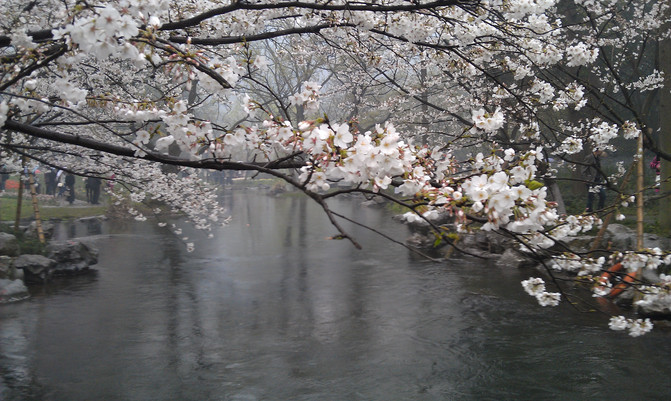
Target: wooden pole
{"x": 36, "y": 209}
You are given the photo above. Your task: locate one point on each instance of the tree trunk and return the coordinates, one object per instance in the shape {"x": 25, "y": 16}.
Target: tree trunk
{"x": 556, "y": 195}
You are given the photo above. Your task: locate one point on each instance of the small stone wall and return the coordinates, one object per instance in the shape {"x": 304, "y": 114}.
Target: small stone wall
{"x": 62, "y": 259}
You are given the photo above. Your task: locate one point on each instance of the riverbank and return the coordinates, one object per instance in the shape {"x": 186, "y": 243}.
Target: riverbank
{"x": 49, "y": 207}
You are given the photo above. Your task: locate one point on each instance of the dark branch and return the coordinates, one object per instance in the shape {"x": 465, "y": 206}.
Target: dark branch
{"x": 254, "y": 38}
{"x": 93, "y": 144}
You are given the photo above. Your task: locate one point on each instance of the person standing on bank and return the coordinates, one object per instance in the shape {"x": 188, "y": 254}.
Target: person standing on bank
{"x": 60, "y": 186}
{"x": 70, "y": 187}
{"x": 591, "y": 173}
{"x": 4, "y": 176}
{"x": 87, "y": 186}
{"x": 95, "y": 183}
{"x": 50, "y": 181}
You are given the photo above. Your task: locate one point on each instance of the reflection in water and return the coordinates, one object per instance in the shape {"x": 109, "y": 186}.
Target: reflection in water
{"x": 72, "y": 229}
{"x": 271, "y": 310}
{"x": 78, "y": 228}
{"x": 94, "y": 227}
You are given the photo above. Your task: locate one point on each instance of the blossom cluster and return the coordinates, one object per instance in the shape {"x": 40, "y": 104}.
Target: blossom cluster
{"x": 581, "y": 54}
{"x": 658, "y": 296}
{"x": 182, "y": 194}
{"x": 636, "y": 327}
{"x": 570, "y": 146}
{"x": 488, "y": 122}
{"x": 104, "y": 33}
{"x": 535, "y": 286}
{"x": 650, "y": 82}
{"x": 307, "y": 97}
{"x": 630, "y": 130}
{"x": 645, "y": 259}
{"x": 602, "y": 134}
{"x": 574, "y": 263}
{"x": 572, "y": 225}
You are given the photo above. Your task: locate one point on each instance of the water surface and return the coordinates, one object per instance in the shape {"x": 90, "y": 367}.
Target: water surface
{"x": 270, "y": 309}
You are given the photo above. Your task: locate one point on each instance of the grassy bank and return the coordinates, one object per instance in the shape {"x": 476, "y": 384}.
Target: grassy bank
{"x": 49, "y": 209}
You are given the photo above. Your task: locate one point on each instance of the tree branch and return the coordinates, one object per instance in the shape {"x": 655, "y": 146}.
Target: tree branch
{"x": 93, "y": 144}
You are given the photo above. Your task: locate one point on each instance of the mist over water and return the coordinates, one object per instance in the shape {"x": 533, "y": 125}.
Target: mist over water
{"x": 270, "y": 309}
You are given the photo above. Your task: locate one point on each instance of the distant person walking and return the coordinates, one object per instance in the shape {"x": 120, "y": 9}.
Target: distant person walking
{"x": 87, "y": 186}
{"x": 94, "y": 184}
{"x": 70, "y": 187}
{"x": 591, "y": 173}
{"x": 60, "y": 187}
{"x": 50, "y": 181}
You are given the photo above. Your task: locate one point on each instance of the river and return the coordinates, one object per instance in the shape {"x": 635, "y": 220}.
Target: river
{"x": 271, "y": 309}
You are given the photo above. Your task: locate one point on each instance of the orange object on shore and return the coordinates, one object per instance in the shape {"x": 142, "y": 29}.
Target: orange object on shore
{"x": 621, "y": 286}
{"x": 11, "y": 184}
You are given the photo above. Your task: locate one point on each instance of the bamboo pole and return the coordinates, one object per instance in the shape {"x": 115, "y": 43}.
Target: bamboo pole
{"x": 19, "y": 198}
{"x": 639, "y": 194}
{"x": 639, "y": 212}
{"x": 36, "y": 209}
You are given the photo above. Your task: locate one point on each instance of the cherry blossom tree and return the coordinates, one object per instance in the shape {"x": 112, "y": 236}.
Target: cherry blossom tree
{"x": 444, "y": 106}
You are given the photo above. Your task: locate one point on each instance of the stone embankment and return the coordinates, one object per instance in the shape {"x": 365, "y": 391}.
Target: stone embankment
{"x": 17, "y": 270}
{"x": 503, "y": 251}
{"x": 506, "y": 251}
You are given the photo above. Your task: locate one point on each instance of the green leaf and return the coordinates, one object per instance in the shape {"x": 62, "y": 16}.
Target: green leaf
{"x": 453, "y": 236}
{"x": 533, "y": 184}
